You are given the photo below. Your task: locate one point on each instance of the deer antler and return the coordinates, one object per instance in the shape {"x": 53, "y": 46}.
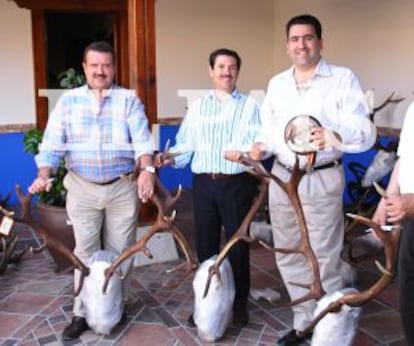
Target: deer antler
{"x": 389, "y": 99}
{"x": 163, "y": 223}
{"x": 4, "y": 201}
{"x": 291, "y": 189}
{"x": 390, "y": 240}
{"x": 8, "y": 244}
{"x": 49, "y": 241}
{"x": 241, "y": 234}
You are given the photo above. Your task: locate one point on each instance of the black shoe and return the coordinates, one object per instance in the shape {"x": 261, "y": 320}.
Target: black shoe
{"x": 190, "y": 321}
{"x": 292, "y": 338}
{"x": 240, "y": 318}
{"x": 75, "y": 329}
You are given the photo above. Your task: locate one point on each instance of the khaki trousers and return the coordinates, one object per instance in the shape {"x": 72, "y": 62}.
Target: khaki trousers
{"x": 321, "y": 197}
{"x": 103, "y": 216}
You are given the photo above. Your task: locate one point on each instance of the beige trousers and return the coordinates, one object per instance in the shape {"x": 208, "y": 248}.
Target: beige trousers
{"x": 103, "y": 216}
{"x": 321, "y": 197}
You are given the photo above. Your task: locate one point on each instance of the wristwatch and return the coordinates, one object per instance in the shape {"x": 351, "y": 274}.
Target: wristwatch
{"x": 150, "y": 169}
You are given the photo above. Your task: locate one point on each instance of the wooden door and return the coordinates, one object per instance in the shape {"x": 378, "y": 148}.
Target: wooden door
{"x": 134, "y": 41}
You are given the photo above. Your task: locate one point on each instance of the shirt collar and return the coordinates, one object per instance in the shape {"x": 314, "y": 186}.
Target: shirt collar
{"x": 105, "y": 93}
{"x": 234, "y": 95}
{"x": 322, "y": 69}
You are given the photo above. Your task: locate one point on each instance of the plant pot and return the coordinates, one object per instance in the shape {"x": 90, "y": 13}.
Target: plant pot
{"x": 54, "y": 221}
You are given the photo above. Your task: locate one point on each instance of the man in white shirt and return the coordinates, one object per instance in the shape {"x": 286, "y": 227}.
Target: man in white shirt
{"x": 333, "y": 96}
{"x": 398, "y": 207}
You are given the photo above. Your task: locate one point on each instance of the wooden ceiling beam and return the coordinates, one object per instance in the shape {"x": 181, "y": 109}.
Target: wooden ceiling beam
{"x": 73, "y": 5}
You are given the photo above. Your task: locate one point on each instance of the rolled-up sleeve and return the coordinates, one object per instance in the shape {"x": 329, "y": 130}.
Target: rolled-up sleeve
{"x": 52, "y": 149}
{"x": 357, "y": 131}
{"x": 142, "y": 140}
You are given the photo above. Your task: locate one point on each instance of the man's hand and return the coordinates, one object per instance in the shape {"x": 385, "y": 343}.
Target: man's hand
{"x": 380, "y": 215}
{"x": 40, "y": 184}
{"x": 257, "y": 151}
{"x": 233, "y": 155}
{"x": 164, "y": 159}
{"x": 145, "y": 185}
{"x": 399, "y": 207}
{"x": 323, "y": 138}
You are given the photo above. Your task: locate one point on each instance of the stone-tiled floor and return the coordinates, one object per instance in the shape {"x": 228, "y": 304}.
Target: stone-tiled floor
{"x": 36, "y": 304}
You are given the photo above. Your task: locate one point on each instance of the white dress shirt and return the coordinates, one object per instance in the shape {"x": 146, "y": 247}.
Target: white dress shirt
{"x": 333, "y": 96}
{"x": 405, "y": 150}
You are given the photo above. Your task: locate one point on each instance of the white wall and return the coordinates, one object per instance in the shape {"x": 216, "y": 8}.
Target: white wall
{"x": 373, "y": 37}
{"x": 188, "y": 30}
{"x": 17, "y": 101}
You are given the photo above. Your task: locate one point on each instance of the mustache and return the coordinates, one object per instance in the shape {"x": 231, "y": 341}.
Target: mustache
{"x": 97, "y": 75}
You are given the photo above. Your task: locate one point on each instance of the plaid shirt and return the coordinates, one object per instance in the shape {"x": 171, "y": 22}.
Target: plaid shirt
{"x": 99, "y": 141}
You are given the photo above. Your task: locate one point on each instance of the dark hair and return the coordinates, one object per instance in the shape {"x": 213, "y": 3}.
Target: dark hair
{"x": 305, "y": 19}
{"x": 99, "y": 46}
{"x": 224, "y": 51}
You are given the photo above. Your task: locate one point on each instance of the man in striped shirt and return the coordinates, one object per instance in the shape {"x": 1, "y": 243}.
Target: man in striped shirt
{"x": 332, "y": 95}
{"x": 101, "y": 131}
{"x": 222, "y": 120}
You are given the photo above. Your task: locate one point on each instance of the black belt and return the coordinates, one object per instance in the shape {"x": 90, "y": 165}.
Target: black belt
{"x": 330, "y": 164}
{"x": 218, "y": 176}
{"x": 109, "y": 182}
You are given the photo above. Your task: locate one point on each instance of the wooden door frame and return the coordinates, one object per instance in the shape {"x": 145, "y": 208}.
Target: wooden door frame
{"x": 134, "y": 44}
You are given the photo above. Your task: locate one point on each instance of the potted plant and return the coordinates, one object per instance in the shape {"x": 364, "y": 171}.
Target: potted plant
{"x": 70, "y": 78}
{"x": 57, "y": 194}
{"x": 51, "y": 204}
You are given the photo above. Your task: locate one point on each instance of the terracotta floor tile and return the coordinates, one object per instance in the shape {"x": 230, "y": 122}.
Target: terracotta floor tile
{"x": 374, "y": 325}
{"x": 10, "y": 323}
{"x": 184, "y": 337}
{"x": 29, "y": 327}
{"x": 40, "y": 303}
{"x": 30, "y": 303}
{"x": 147, "y": 335}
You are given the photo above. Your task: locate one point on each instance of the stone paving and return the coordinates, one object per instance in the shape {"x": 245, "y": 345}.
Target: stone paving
{"x": 36, "y": 304}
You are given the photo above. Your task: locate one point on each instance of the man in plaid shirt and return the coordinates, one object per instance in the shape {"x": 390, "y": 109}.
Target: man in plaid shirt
{"x": 101, "y": 131}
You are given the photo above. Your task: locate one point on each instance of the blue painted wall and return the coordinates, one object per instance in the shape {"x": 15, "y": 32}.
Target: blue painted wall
{"x": 17, "y": 167}
{"x": 172, "y": 177}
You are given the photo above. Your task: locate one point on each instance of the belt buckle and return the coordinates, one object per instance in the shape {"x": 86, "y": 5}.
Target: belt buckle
{"x": 214, "y": 176}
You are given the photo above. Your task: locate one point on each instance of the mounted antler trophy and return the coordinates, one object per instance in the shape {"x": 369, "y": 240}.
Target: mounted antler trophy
{"x": 100, "y": 285}
{"x": 338, "y": 304}
{"x": 8, "y": 239}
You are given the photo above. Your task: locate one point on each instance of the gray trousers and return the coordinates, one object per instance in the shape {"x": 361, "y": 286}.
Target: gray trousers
{"x": 102, "y": 217}
{"x": 321, "y": 197}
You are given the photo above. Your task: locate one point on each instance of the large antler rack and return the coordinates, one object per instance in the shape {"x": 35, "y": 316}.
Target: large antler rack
{"x": 291, "y": 189}
{"x": 49, "y": 241}
{"x": 390, "y": 99}
{"x": 390, "y": 240}
{"x": 243, "y": 232}
{"x": 9, "y": 242}
{"x": 163, "y": 223}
